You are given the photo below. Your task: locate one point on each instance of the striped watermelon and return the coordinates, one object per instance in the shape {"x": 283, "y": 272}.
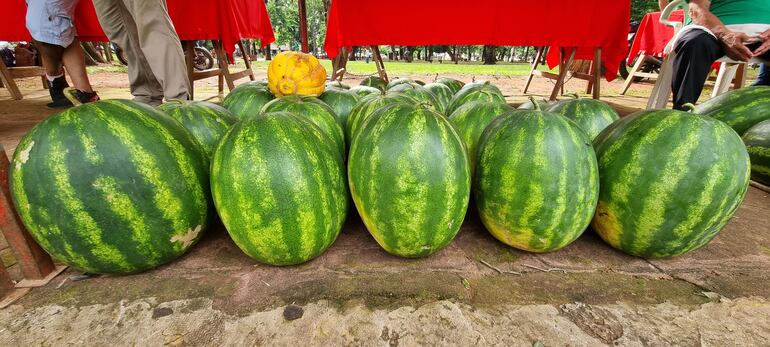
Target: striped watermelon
{"x": 341, "y": 101}
{"x": 757, "y": 140}
{"x": 536, "y": 181}
{"x": 453, "y": 84}
{"x": 410, "y": 179}
{"x": 740, "y": 109}
{"x": 442, "y": 93}
{"x": 476, "y": 91}
{"x": 375, "y": 82}
{"x": 418, "y": 93}
{"x": 315, "y": 110}
{"x": 113, "y": 187}
{"x": 279, "y": 187}
{"x": 206, "y": 122}
{"x": 363, "y": 91}
{"x": 472, "y": 118}
{"x": 365, "y": 107}
{"x": 400, "y": 81}
{"x": 252, "y": 84}
{"x": 590, "y": 115}
{"x": 670, "y": 181}
{"x": 530, "y": 104}
{"x": 337, "y": 85}
{"x": 247, "y": 100}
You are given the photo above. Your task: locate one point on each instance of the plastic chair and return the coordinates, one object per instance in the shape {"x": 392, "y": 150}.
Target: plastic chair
{"x": 662, "y": 89}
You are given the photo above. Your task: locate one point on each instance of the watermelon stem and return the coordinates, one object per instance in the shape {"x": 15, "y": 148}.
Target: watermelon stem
{"x": 534, "y": 103}
{"x": 689, "y": 107}
{"x": 574, "y": 95}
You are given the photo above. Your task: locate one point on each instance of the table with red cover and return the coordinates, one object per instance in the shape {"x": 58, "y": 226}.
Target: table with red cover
{"x": 585, "y": 24}
{"x": 226, "y": 20}
{"x": 652, "y": 36}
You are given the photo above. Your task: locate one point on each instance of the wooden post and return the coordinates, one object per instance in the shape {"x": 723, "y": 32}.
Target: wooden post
{"x": 597, "y": 67}
{"x": 378, "y": 61}
{"x": 535, "y": 64}
{"x": 563, "y": 71}
{"x": 8, "y": 82}
{"x": 35, "y": 263}
{"x": 303, "y": 25}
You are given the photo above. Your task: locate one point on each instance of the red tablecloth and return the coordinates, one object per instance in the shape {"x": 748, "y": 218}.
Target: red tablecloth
{"x": 559, "y": 23}
{"x": 652, "y": 36}
{"x": 226, "y": 20}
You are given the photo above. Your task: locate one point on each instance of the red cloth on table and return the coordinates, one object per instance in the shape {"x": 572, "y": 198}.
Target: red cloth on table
{"x": 226, "y": 20}
{"x": 652, "y": 36}
{"x": 559, "y": 23}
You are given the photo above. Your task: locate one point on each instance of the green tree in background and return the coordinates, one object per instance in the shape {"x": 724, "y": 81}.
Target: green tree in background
{"x": 641, "y": 7}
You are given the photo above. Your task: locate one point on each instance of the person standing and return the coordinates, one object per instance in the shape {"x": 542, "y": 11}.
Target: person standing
{"x": 51, "y": 25}
{"x": 764, "y": 76}
{"x": 143, "y": 29}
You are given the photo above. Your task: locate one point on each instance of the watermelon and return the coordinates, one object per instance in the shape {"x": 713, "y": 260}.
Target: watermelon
{"x": 757, "y": 140}
{"x": 315, "y": 110}
{"x": 206, "y": 122}
{"x": 536, "y": 182}
{"x": 341, "y": 101}
{"x": 453, "y": 84}
{"x": 670, "y": 181}
{"x": 337, "y": 85}
{"x": 362, "y": 91}
{"x": 530, "y": 104}
{"x": 590, "y": 115}
{"x": 250, "y": 84}
{"x": 365, "y": 107}
{"x": 279, "y": 187}
{"x": 247, "y": 100}
{"x": 418, "y": 93}
{"x": 442, "y": 93}
{"x": 113, "y": 186}
{"x": 741, "y": 109}
{"x": 400, "y": 81}
{"x": 410, "y": 179}
{"x": 375, "y": 82}
{"x": 472, "y": 118}
{"x": 476, "y": 91}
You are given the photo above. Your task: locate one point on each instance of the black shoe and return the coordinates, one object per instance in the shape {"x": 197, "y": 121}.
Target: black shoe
{"x": 79, "y": 97}
{"x": 56, "y": 89}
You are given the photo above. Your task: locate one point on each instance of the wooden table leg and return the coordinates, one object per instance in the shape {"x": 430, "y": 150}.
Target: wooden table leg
{"x": 189, "y": 53}
{"x": 378, "y": 61}
{"x": 340, "y": 65}
{"x": 597, "y": 73}
{"x": 247, "y": 60}
{"x": 563, "y": 71}
{"x": 535, "y": 64}
{"x": 8, "y": 81}
{"x": 632, "y": 73}
{"x": 224, "y": 64}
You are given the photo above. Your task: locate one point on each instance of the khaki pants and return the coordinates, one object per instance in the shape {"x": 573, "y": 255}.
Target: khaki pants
{"x": 143, "y": 29}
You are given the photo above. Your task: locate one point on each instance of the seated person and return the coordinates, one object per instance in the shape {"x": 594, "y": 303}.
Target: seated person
{"x": 764, "y": 76}
{"x": 50, "y": 22}
{"x": 739, "y": 29}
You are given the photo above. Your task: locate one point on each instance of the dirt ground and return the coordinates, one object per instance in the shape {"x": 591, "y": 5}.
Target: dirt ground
{"x": 475, "y": 291}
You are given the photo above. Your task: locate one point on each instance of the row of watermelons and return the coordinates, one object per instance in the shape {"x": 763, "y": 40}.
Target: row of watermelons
{"x": 119, "y": 187}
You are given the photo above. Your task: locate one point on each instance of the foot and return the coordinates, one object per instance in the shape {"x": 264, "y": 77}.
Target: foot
{"x": 79, "y": 97}
{"x": 56, "y": 90}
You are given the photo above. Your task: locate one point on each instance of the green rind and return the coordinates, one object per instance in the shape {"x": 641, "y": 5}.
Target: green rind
{"x": 400, "y": 81}
{"x": 337, "y": 85}
{"x": 442, "y": 93}
{"x": 341, "y": 101}
{"x": 279, "y": 187}
{"x": 314, "y": 109}
{"x": 206, "y": 122}
{"x": 536, "y": 182}
{"x": 476, "y": 91}
{"x": 112, "y": 187}
{"x": 740, "y": 109}
{"x": 363, "y": 91}
{"x": 528, "y": 105}
{"x": 419, "y": 93}
{"x": 365, "y": 107}
{"x": 472, "y": 118}
{"x": 410, "y": 179}
{"x": 670, "y": 181}
{"x": 247, "y": 100}
{"x": 591, "y": 115}
{"x": 453, "y": 84}
{"x": 375, "y": 82}
{"x": 757, "y": 140}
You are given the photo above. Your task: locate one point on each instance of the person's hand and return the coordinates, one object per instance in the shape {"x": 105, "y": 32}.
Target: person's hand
{"x": 765, "y": 47}
{"x": 735, "y": 48}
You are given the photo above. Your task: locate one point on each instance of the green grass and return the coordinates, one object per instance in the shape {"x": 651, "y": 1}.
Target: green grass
{"x": 424, "y": 68}
{"x": 116, "y": 67}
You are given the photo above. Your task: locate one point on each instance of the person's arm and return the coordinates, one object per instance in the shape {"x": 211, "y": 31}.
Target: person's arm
{"x": 662, "y": 4}
{"x": 733, "y": 42}
{"x": 765, "y": 47}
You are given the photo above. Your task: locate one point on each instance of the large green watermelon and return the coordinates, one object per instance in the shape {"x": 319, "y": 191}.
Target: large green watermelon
{"x": 206, "y": 122}
{"x": 536, "y": 182}
{"x": 472, "y": 118}
{"x": 590, "y": 115}
{"x": 247, "y": 100}
{"x": 418, "y": 93}
{"x": 341, "y": 101}
{"x": 315, "y": 110}
{"x": 279, "y": 187}
{"x": 362, "y": 91}
{"x": 476, "y": 91}
{"x": 400, "y": 81}
{"x": 113, "y": 186}
{"x": 337, "y": 85}
{"x": 442, "y": 93}
{"x": 365, "y": 107}
{"x": 740, "y": 109}
{"x": 410, "y": 179}
{"x": 375, "y": 82}
{"x": 670, "y": 181}
{"x": 453, "y": 84}
{"x": 757, "y": 140}
{"x": 543, "y": 104}
{"x": 251, "y": 84}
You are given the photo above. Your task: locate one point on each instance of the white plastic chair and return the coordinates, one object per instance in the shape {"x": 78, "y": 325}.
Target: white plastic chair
{"x": 662, "y": 89}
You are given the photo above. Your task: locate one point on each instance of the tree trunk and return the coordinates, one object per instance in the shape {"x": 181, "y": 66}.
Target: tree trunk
{"x": 92, "y": 53}
{"x": 488, "y": 55}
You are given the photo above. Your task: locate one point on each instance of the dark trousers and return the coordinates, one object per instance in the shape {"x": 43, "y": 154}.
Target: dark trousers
{"x": 764, "y": 76}
{"x": 696, "y": 52}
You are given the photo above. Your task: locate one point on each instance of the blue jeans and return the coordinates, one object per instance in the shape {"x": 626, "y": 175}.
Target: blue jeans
{"x": 764, "y": 76}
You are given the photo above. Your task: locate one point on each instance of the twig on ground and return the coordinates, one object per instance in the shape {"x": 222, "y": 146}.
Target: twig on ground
{"x": 498, "y": 270}
{"x": 544, "y": 270}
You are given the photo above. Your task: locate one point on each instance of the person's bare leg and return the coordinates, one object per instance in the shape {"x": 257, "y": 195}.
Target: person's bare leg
{"x": 51, "y": 57}
{"x": 74, "y": 60}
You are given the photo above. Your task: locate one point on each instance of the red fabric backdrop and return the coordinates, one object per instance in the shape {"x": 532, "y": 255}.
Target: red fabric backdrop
{"x": 226, "y": 20}
{"x": 558, "y": 23}
{"x": 652, "y": 37}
